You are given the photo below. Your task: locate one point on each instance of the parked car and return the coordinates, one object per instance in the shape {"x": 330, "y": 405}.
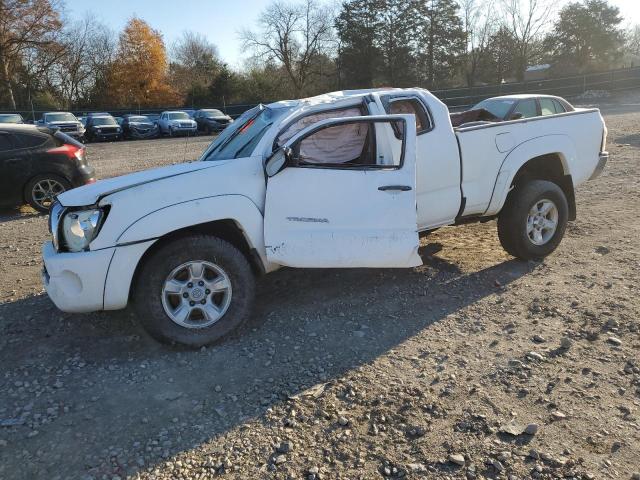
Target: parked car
{"x": 211, "y": 120}
{"x": 176, "y": 123}
{"x": 38, "y": 163}
{"x": 138, "y": 126}
{"x": 326, "y": 182}
{"x": 154, "y": 117}
{"x": 102, "y": 127}
{"x": 65, "y": 122}
{"x": 515, "y": 107}
{"x": 11, "y": 118}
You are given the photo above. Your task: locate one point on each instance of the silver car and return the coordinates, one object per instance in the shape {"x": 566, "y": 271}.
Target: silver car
{"x": 63, "y": 121}
{"x": 176, "y": 123}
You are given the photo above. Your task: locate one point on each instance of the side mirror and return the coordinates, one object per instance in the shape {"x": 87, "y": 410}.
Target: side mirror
{"x": 277, "y": 161}
{"x": 516, "y": 116}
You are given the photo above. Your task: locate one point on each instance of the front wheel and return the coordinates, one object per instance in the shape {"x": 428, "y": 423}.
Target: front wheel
{"x": 194, "y": 290}
{"x": 533, "y": 220}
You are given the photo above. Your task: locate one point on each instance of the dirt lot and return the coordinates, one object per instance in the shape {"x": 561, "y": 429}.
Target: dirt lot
{"x": 433, "y": 372}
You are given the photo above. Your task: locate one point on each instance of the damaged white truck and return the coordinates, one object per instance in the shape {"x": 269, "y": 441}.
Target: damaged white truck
{"x": 348, "y": 179}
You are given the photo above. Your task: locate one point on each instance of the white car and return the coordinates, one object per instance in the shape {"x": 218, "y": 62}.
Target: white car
{"x": 176, "y": 123}
{"x": 348, "y": 179}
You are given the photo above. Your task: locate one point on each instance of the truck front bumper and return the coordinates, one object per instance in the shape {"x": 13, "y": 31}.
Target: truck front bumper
{"x": 602, "y": 162}
{"x": 75, "y": 282}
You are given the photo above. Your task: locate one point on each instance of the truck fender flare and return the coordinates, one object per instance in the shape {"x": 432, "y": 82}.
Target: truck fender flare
{"x": 163, "y": 221}
{"x": 560, "y": 145}
{"x": 138, "y": 237}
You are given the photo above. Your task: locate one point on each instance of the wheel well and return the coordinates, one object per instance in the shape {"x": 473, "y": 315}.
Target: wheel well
{"x": 548, "y": 167}
{"x": 227, "y": 230}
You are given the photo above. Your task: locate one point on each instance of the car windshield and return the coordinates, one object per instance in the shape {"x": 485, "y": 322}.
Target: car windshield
{"x": 213, "y": 113}
{"x": 104, "y": 121}
{"x": 10, "y": 118}
{"x": 178, "y": 116}
{"x": 59, "y": 117}
{"x": 497, "y": 107}
{"x": 139, "y": 120}
{"x": 242, "y": 136}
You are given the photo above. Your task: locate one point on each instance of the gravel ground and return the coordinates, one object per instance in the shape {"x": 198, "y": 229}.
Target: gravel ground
{"x": 473, "y": 365}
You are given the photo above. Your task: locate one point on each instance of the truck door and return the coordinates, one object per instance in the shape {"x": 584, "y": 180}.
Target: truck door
{"x": 438, "y": 162}
{"x": 333, "y": 201}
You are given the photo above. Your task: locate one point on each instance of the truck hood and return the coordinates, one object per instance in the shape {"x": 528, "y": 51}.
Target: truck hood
{"x": 91, "y": 194}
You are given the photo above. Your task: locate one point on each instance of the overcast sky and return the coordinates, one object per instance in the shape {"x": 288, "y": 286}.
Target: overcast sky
{"x": 219, "y": 20}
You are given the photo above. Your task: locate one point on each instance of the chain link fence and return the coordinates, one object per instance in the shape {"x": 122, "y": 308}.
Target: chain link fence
{"x": 454, "y": 98}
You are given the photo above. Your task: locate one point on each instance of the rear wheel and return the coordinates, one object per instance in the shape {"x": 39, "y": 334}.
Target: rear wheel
{"x": 41, "y": 191}
{"x": 533, "y": 220}
{"x": 194, "y": 290}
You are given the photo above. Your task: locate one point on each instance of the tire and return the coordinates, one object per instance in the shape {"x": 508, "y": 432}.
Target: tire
{"x": 39, "y": 196}
{"x": 525, "y": 222}
{"x": 152, "y": 303}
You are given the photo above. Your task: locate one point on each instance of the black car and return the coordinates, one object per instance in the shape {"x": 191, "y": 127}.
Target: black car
{"x": 138, "y": 126}
{"x": 11, "y": 118}
{"x": 38, "y": 163}
{"x": 102, "y": 127}
{"x": 210, "y": 120}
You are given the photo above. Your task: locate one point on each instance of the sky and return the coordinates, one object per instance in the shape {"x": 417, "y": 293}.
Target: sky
{"x": 219, "y": 20}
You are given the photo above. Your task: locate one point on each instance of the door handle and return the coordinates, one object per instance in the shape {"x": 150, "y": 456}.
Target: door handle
{"x": 399, "y": 188}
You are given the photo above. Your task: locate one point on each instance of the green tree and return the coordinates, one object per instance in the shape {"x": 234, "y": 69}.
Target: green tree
{"x": 586, "y": 36}
{"x": 498, "y": 62}
{"x": 358, "y": 59}
{"x": 444, "y": 41}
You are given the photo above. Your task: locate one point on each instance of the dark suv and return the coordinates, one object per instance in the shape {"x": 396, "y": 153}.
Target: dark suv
{"x": 102, "y": 126}
{"x": 37, "y": 163}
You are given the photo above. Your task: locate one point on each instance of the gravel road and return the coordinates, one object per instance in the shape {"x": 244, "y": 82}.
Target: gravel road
{"x": 473, "y": 365}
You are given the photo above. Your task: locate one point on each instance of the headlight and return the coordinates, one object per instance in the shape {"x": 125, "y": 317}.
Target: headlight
{"x": 80, "y": 227}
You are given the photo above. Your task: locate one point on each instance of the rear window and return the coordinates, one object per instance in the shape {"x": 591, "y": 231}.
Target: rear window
{"x": 411, "y": 106}
{"x": 5, "y": 142}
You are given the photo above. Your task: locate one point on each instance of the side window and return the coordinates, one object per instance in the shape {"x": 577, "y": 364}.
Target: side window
{"x": 527, "y": 108}
{"x": 347, "y": 145}
{"x": 30, "y": 141}
{"x": 547, "y": 106}
{"x": 558, "y": 106}
{"x": 5, "y": 142}
{"x": 308, "y": 120}
{"x": 411, "y": 106}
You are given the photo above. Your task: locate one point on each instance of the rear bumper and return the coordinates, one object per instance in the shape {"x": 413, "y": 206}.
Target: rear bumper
{"x": 83, "y": 175}
{"x": 602, "y": 162}
{"x": 75, "y": 281}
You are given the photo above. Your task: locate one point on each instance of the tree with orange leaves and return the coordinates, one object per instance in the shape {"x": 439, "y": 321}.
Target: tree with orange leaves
{"x": 139, "y": 74}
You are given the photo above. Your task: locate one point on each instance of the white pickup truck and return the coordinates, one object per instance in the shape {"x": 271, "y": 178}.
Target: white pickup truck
{"x": 347, "y": 179}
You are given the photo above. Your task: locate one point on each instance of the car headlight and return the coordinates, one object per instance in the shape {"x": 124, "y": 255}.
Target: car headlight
{"x": 80, "y": 227}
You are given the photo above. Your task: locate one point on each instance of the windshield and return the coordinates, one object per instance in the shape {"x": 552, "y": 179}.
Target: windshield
{"x": 497, "y": 107}
{"x": 59, "y": 117}
{"x": 178, "y": 116}
{"x": 242, "y": 136}
{"x": 104, "y": 121}
{"x": 10, "y": 118}
{"x": 139, "y": 119}
{"x": 213, "y": 113}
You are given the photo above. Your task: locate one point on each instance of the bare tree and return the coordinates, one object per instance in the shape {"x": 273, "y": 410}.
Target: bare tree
{"x": 24, "y": 25}
{"x": 479, "y": 24}
{"x": 194, "y": 61}
{"x": 526, "y": 21}
{"x": 292, "y": 35}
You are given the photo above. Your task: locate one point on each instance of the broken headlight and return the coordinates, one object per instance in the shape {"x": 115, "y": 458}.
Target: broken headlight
{"x": 80, "y": 227}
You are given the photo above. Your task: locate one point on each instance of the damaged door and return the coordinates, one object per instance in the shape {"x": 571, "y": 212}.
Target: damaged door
{"x": 339, "y": 197}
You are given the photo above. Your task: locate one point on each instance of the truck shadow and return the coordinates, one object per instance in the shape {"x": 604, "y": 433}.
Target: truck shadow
{"x": 131, "y": 403}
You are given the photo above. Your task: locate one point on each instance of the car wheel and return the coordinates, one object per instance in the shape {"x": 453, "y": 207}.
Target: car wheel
{"x": 41, "y": 191}
{"x": 533, "y": 220}
{"x": 194, "y": 290}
